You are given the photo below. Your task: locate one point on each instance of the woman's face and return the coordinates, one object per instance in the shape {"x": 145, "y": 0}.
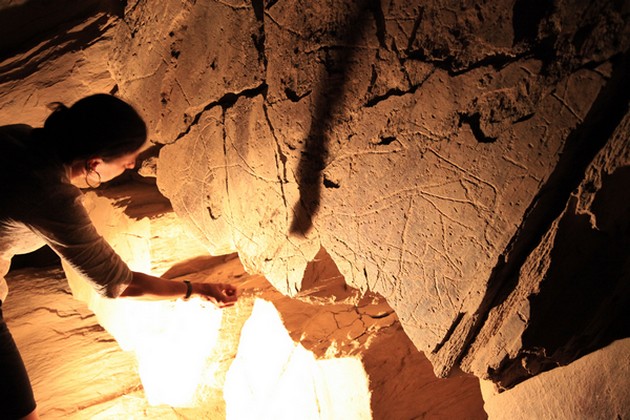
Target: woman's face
{"x": 110, "y": 169}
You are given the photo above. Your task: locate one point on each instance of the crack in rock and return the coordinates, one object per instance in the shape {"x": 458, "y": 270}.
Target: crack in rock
{"x": 226, "y": 101}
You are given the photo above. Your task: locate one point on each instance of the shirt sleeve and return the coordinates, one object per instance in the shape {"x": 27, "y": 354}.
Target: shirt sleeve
{"x": 66, "y": 227}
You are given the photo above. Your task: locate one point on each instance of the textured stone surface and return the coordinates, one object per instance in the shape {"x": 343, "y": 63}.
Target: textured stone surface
{"x": 572, "y": 285}
{"x": 240, "y": 186}
{"x": 452, "y": 205}
{"x": 58, "y": 336}
{"x": 183, "y": 57}
{"x": 589, "y": 388}
{"x": 431, "y": 148}
{"x": 415, "y": 159}
{"x": 62, "y": 67}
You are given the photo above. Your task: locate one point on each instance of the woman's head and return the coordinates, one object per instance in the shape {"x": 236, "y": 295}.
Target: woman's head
{"x": 98, "y": 126}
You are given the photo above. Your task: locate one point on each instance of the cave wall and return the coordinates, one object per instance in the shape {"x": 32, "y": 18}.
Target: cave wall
{"x": 432, "y": 148}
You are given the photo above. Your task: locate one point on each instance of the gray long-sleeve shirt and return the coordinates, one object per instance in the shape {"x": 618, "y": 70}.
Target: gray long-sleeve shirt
{"x": 39, "y": 206}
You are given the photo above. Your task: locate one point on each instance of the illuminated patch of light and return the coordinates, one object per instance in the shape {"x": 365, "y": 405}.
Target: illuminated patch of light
{"x": 172, "y": 340}
{"x": 274, "y": 378}
{"x": 172, "y": 349}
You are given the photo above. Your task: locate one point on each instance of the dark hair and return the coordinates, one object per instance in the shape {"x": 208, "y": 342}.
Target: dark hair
{"x": 100, "y": 125}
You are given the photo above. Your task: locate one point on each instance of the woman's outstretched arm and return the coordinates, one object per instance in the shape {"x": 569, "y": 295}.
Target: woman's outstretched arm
{"x": 147, "y": 287}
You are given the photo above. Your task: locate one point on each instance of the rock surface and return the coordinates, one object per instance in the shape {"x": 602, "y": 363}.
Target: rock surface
{"x": 63, "y": 65}
{"x": 430, "y": 148}
{"x": 582, "y": 390}
{"x": 410, "y": 152}
{"x": 573, "y": 294}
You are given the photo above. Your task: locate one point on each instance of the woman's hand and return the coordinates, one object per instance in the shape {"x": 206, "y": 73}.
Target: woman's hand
{"x": 221, "y": 294}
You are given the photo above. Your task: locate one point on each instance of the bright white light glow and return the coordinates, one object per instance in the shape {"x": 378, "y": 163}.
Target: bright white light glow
{"x": 172, "y": 340}
{"x": 172, "y": 351}
{"x": 274, "y": 378}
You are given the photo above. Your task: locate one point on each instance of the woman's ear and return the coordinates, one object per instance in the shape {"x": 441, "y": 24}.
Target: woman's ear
{"x": 92, "y": 163}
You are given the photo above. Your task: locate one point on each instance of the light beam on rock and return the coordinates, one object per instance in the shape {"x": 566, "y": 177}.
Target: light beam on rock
{"x": 272, "y": 377}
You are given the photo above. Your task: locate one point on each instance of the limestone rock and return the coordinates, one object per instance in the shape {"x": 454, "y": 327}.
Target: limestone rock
{"x": 591, "y": 387}
{"x": 450, "y": 207}
{"x": 58, "y": 338}
{"x": 585, "y": 249}
{"x": 240, "y": 185}
{"x": 72, "y": 360}
{"x": 431, "y": 148}
{"x": 414, "y": 177}
{"x": 163, "y": 59}
{"x": 62, "y": 68}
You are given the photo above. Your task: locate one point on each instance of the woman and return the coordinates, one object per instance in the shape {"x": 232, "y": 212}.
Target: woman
{"x": 41, "y": 169}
